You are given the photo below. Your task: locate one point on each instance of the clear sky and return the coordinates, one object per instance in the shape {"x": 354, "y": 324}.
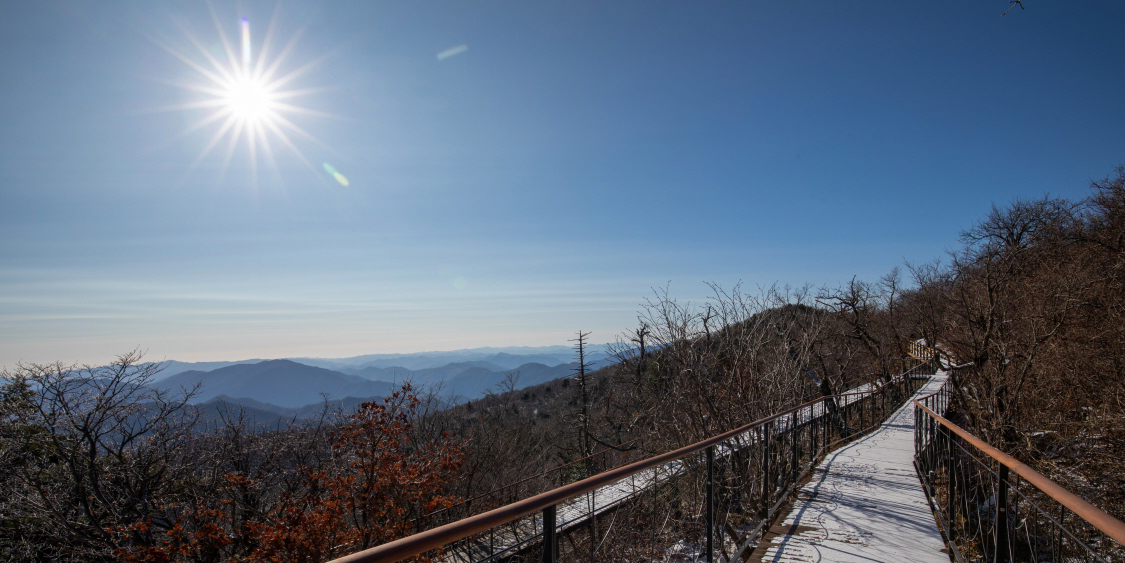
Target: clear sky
{"x": 516, "y": 171}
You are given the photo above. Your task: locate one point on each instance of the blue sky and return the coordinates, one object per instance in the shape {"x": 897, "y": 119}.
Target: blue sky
{"x": 576, "y": 155}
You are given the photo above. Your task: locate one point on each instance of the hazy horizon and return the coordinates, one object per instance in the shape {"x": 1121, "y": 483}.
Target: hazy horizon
{"x": 438, "y": 175}
{"x": 498, "y": 349}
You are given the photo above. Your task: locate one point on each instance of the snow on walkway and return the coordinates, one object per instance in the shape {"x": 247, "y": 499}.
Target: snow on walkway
{"x": 506, "y": 540}
{"x": 864, "y": 504}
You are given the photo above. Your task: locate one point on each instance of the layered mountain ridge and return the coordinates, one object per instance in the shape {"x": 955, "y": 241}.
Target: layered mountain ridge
{"x": 271, "y": 390}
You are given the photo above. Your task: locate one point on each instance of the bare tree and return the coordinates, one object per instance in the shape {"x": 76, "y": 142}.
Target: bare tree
{"x": 99, "y": 455}
{"x": 584, "y": 440}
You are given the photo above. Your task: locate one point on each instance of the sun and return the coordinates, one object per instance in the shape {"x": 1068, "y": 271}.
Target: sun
{"x": 245, "y": 99}
{"x": 249, "y": 100}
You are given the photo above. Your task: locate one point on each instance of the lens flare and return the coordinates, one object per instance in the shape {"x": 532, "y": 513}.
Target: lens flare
{"x": 331, "y": 170}
{"x": 451, "y": 52}
{"x": 246, "y": 43}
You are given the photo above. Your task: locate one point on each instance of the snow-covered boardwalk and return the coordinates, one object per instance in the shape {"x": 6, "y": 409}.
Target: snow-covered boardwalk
{"x": 504, "y": 541}
{"x": 864, "y": 504}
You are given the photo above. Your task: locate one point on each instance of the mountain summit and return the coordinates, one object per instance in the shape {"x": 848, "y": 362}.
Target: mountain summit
{"x": 280, "y": 382}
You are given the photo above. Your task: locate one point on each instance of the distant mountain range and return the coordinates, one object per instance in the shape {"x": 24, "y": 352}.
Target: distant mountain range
{"x": 474, "y": 382}
{"x": 283, "y": 383}
{"x": 502, "y": 358}
{"x": 272, "y": 391}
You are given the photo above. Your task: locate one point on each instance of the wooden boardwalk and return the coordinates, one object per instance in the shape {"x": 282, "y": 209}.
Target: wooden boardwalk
{"x": 864, "y": 504}
{"x": 517, "y": 536}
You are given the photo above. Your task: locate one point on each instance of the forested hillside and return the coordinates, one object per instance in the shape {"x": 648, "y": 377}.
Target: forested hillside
{"x": 100, "y": 466}
{"x": 1035, "y": 299}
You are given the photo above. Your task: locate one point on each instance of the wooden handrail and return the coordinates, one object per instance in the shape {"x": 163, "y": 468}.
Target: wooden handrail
{"x": 1097, "y": 517}
{"x": 421, "y": 542}
{"x": 521, "y": 481}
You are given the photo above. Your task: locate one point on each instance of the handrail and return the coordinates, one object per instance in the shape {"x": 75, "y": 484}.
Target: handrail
{"x": 1107, "y": 524}
{"x": 521, "y": 481}
{"x": 442, "y": 535}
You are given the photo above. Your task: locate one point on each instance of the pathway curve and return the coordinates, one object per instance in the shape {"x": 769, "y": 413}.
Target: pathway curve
{"x": 864, "y": 504}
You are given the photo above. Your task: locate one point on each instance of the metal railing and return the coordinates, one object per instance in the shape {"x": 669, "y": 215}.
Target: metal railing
{"x": 992, "y": 508}
{"x": 712, "y": 498}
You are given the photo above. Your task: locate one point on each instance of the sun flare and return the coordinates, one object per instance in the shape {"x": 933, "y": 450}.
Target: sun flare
{"x": 245, "y": 96}
{"x": 249, "y": 99}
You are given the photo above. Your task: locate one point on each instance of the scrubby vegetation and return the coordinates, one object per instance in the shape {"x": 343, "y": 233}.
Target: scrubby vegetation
{"x": 99, "y": 466}
{"x": 1035, "y": 300}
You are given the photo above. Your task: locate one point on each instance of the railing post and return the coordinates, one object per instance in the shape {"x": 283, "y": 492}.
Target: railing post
{"x": 917, "y": 431}
{"x": 828, "y": 421}
{"x": 550, "y": 540}
{"x": 931, "y": 435}
{"x": 793, "y": 465}
{"x": 815, "y": 431}
{"x": 710, "y": 503}
{"x": 951, "y": 485}
{"x": 767, "y": 491}
{"x": 593, "y": 524}
{"x": 1003, "y": 550}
